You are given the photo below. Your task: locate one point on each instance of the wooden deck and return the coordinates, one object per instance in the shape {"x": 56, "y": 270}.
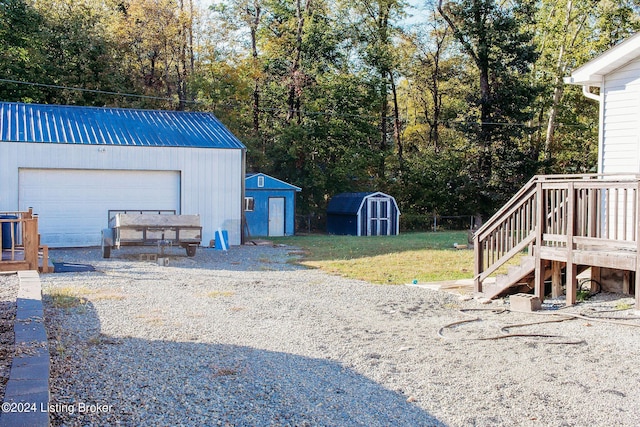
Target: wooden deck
{"x": 20, "y": 245}
{"x": 564, "y": 224}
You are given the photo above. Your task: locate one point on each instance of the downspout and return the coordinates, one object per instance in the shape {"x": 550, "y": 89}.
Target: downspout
{"x": 586, "y": 91}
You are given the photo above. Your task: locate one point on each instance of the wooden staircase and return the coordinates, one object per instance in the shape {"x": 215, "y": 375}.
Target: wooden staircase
{"x": 560, "y": 224}
{"x": 515, "y": 279}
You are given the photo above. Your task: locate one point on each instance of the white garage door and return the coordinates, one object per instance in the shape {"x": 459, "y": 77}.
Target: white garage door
{"x": 73, "y": 204}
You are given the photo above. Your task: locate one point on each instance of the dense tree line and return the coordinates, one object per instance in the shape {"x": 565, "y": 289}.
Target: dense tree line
{"x": 450, "y": 106}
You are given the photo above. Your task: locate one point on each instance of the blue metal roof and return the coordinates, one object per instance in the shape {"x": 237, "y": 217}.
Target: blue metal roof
{"x": 346, "y": 203}
{"x": 350, "y": 203}
{"x": 270, "y": 183}
{"x": 64, "y": 124}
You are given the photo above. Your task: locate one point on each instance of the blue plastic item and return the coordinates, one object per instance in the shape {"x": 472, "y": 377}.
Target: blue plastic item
{"x": 222, "y": 240}
{"x": 6, "y": 231}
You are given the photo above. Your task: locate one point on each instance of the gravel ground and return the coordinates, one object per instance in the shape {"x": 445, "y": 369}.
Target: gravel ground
{"x": 8, "y": 295}
{"x": 247, "y": 338}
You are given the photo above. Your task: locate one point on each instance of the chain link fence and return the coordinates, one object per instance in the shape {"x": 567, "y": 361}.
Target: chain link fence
{"x": 317, "y": 223}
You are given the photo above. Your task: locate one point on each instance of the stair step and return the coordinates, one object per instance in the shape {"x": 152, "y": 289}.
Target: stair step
{"x": 516, "y": 274}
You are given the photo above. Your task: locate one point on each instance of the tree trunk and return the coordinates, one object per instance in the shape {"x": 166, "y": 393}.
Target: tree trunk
{"x": 297, "y": 77}
{"x": 397, "y": 126}
{"x": 480, "y": 56}
{"x": 558, "y": 88}
{"x": 384, "y": 116}
{"x": 256, "y": 81}
{"x": 484, "y": 138}
{"x": 436, "y": 96}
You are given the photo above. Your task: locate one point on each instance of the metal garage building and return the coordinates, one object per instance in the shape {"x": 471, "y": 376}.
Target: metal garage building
{"x": 73, "y": 164}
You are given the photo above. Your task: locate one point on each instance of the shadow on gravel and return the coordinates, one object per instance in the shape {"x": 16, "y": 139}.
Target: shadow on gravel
{"x": 237, "y": 258}
{"x": 148, "y": 382}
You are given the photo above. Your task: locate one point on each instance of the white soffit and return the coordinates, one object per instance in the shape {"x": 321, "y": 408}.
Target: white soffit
{"x": 591, "y": 73}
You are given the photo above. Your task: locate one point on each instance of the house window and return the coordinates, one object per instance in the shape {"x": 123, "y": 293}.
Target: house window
{"x": 260, "y": 181}
{"x": 249, "y": 204}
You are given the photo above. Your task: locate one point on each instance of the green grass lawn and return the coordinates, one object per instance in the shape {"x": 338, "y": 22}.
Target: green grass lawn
{"x": 426, "y": 257}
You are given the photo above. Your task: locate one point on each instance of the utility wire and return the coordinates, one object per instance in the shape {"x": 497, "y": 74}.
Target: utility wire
{"x": 271, "y": 109}
{"x": 157, "y": 98}
{"x": 104, "y": 92}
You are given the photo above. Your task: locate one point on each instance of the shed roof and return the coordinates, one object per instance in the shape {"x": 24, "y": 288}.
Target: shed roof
{"x": 65, "y": 124}
{"x": 591, "y": 73}
{"x": 350, "y": 203}
{"x": 270, "y": 183}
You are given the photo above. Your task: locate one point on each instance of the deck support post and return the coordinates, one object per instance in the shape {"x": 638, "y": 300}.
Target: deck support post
{"x": 540, "y": 224}
{"x": 637, "y": 281}
{"x": 596, "y": 277}
{"x": 556, "y": 279}
{"x": 637, "y": 237}
{"x": 572, "y": 279}
{"x": 30, "y": 240}
{"x": 477, "y": 263}
{"x": 572, "y": 283}
{"x": 626, "y": 282}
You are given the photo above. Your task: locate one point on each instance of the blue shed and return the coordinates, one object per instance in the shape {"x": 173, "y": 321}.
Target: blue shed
{"x": 270, "y": 206}
{"x": 363, "y": 214}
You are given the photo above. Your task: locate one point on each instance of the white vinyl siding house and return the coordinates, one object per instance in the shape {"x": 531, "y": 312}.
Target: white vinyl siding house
{"x": 617, "y": 74}
{"x": 621, "y": 120}
{"x": 574, "y": 222}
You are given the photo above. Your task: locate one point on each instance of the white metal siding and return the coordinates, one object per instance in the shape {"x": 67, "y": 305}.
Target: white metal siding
{"x": 211, "y": 178}
{"x": 621, "y": 120}
{"x": 72, "y": 204}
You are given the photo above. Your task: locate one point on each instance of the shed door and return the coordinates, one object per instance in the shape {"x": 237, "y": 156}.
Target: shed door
{"x": 379, "y": 215}
{"x": 276, "y": 216}
{"x": 72, "y": 204}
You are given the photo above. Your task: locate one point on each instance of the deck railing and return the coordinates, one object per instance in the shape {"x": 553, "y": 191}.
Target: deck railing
{"x": 595, "y": 210}
{"x": 563, "y": 212}
{"x": 510, "y": 231}
{"x": 20, "y": 241}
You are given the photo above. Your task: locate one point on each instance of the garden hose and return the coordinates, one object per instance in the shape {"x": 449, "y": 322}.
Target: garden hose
{"x": 506, "y": 334}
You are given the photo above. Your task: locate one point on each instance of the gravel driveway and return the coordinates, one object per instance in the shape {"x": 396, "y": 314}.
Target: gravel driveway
{"x": 247, "y": 338}
{"x": 8, "y": 294}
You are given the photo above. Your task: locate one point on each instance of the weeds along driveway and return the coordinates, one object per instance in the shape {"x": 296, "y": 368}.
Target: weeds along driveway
{"x": 246, "y": 337}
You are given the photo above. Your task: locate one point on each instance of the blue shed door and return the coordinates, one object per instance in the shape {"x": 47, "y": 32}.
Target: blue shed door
{"x": 276, "y": 216}
{"x": 379, "y": 215}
